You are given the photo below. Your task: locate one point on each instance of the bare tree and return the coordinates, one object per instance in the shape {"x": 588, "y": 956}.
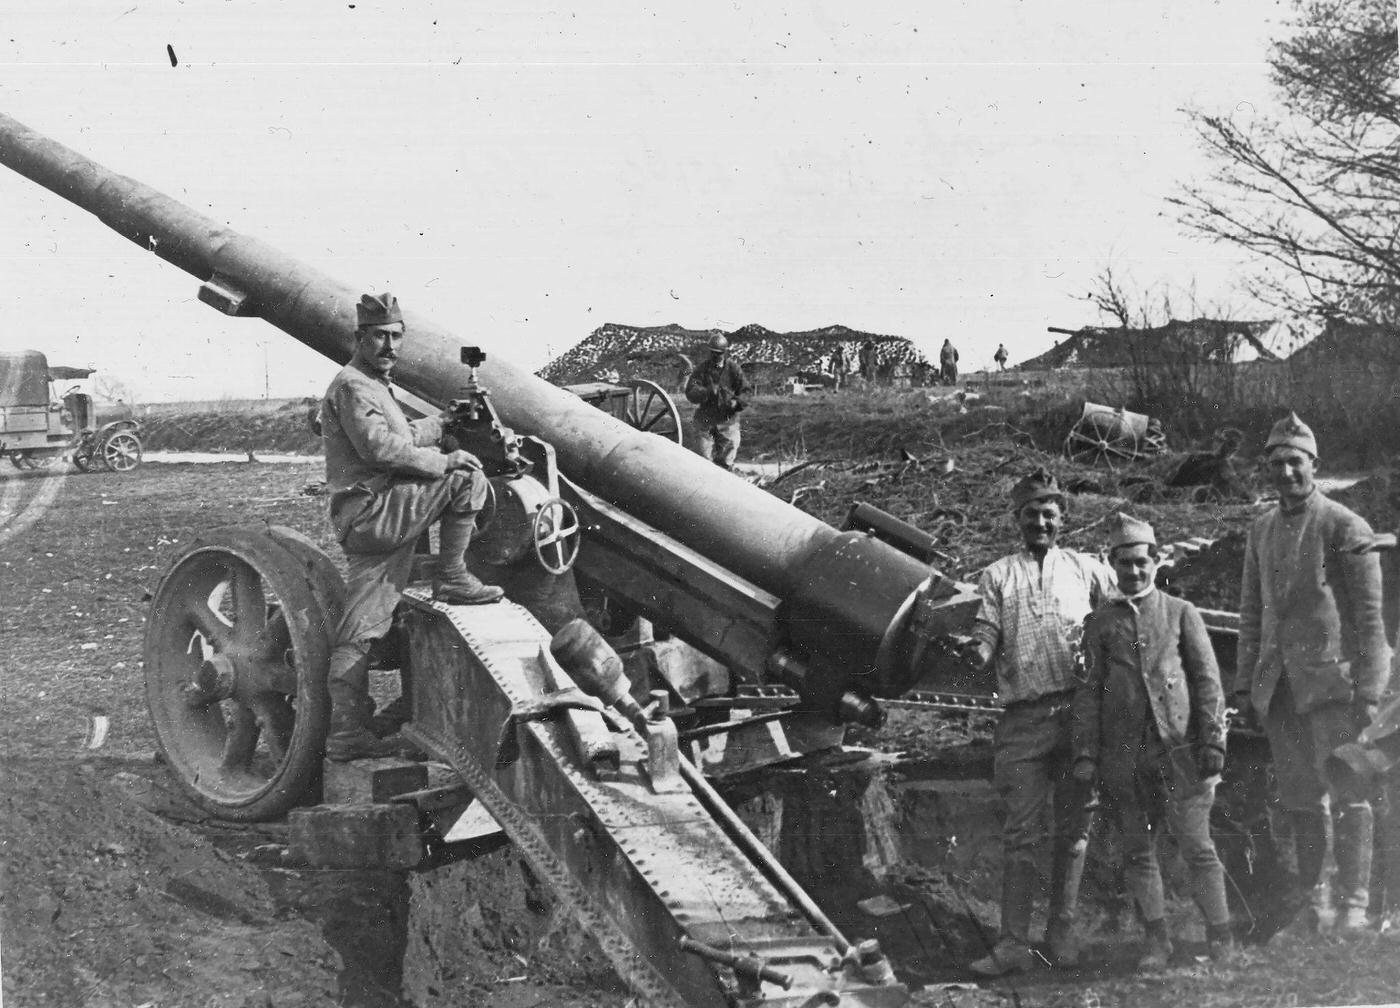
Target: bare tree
{"x": 1316, "y": 192}
{"x": 1109, "y": 297}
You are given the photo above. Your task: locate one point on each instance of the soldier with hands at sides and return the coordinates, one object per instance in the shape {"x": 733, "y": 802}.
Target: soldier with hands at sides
{"x": 1149, "y": 726}
{"x": 1313, "y": 663}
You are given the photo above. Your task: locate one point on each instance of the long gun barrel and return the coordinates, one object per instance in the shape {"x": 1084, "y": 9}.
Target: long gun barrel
{"x": 838, "y": 596}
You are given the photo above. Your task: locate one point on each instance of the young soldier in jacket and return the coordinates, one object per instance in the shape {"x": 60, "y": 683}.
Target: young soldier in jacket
{"x": 1313, "y": 663}
{"x": 1149, "y": 725}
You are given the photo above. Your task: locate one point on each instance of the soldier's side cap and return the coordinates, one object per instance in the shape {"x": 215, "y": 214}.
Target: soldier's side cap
{"x": 377, "y": 309}
{"x": 1291, "y": 432}
{"x": 1038, "y": 485}
{"x": 1125, "y": 530}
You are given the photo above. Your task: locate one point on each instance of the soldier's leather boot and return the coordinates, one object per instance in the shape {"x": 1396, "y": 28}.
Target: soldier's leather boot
{"x": 466, "y": 589}
{"x": 1062, "y": 942}
{"x": 349, "y": 737}
{"x": 1013, "y": 953}
{"x": 1066, "y": 870}
{"x": 1010, "y": 955}
{"x": 1315, "y": 915}
{"x": 454, "y": 584}
{"x": 1156, "y": 947}
{"x": 1220, "y": 942}
{"x": 391, "y": 717}
{"x": 1353, "y": 836}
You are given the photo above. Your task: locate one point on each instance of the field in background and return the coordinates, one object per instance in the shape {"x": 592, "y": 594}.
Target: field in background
{"x": 1352, "y": 405}
{"x": 249, "y": 406}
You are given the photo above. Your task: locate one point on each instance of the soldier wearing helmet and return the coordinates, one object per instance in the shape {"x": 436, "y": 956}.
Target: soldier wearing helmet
{"x": 717, "y": 387}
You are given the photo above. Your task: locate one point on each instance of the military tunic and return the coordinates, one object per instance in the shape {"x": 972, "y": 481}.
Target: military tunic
{"x": 387, "y": 485}
{"x": 1151, "y": 698}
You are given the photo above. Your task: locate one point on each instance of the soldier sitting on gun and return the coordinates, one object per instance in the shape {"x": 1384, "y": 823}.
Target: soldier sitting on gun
{"x": 387, "y": 485}
{"x": 717, "y": 388}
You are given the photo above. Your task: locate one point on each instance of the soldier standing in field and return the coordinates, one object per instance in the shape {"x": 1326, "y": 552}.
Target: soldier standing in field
{"x": 867, "y": 361}
{"x": 1149, "y": 727}
{"x": 718, "y": 387}
{"x": 1030, "y": 624}
{"x": 948, "y": 363}
{"x": 1001, "y": 356}
{"x": 1313, "y": 663}
{"x": 388, "y": 484}
{"x": 838, "y": 367}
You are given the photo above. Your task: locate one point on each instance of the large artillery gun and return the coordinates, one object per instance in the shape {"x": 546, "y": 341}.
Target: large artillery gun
{"x": 803, "y": 628}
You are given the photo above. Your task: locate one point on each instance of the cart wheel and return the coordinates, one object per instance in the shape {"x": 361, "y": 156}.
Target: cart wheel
{"x": 650, "y": 409}
{"x": 1101, "y": 444}
{"x": 120, "y": 451}
{"x": 237, "y": 647}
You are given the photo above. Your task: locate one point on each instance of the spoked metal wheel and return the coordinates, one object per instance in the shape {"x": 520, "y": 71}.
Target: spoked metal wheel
{"x": 1097, "y": 441}
{"x": 120, "y": 451}
{"x": 236, "y": 655}
{"x": 20, "y": 460}
{"x": 650, "y": 409}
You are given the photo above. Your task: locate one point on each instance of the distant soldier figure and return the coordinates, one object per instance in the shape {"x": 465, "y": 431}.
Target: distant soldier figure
{"x": 1001, "y": 356}
{"x": 867, "y": 360}
{"x": 948, "y": 363}
{"x": 717, "y": 387}
{"x": 838, "y": 367}
{"x": 1313, "y": 663}
{"x": 387, "y": 485}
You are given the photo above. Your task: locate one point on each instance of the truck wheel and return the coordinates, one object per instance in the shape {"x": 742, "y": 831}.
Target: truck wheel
{"x": 236, "y": 652}
{"x": 120, "y": 451}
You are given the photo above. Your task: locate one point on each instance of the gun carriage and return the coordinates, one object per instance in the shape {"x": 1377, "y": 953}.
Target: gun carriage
{"x": 524, "y": 701}
{"x": 638, "y": 402}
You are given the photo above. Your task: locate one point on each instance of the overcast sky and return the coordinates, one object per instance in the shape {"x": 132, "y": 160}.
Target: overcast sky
{"x": 525, "y": 172}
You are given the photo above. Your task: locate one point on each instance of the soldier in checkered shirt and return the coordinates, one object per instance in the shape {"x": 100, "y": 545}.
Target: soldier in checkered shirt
{"x": 1029, "y": 627}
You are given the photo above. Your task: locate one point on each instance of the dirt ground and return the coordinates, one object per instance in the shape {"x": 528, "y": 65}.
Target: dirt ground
{"x": 107, "y": 904}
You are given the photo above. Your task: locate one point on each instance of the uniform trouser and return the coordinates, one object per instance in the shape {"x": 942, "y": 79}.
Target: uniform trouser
{"x": 719, "y": 442}
{"x": 1145, "y": 797}
{"x": 1300, "y": 745}
{"x": 387, "y": 530}
{"x": 1032, "y": 775}
{"x": 948, "y": 374}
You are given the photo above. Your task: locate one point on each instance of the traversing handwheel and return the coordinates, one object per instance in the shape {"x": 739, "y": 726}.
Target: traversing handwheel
{"x": 555, "y": 535}
{"x": 237, "y": 647}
